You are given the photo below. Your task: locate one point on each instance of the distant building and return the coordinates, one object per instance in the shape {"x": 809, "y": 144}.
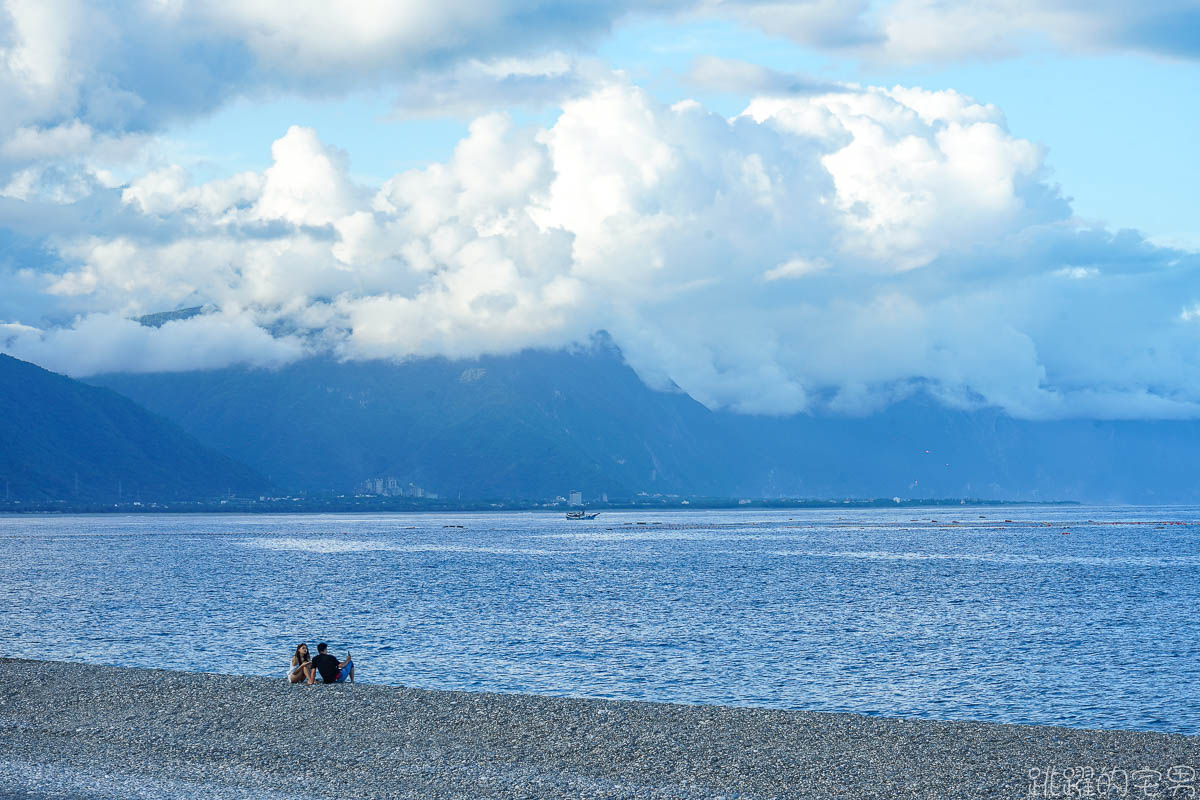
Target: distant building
{"x": 576, "y": 498}
{"x": 391, "y": 487}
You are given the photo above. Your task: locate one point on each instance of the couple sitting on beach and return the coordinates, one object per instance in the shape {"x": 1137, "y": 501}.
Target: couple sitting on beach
{"x": 331, "y": 670}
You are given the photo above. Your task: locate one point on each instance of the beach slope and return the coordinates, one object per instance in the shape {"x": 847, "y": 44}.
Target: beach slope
{"x": 71, "y": 730}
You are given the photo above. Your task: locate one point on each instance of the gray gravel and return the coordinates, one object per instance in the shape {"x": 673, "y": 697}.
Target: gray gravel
{"x": 77, "y": 731}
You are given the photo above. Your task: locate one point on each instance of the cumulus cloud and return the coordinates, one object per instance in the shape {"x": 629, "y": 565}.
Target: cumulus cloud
{"x": 86, "y": 86}
{"x": 831, "y": 247}
{"x": 822, "y": 251}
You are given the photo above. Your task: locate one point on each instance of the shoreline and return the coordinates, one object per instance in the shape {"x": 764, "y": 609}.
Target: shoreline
{"x": 75, "y": 730}
{"x": 289, "y": 505}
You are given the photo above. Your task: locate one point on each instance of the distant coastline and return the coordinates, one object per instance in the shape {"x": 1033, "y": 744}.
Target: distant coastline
{"x": 361, "y": 505}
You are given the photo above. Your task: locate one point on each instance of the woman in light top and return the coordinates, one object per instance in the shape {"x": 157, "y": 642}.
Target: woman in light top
{"x": 302, "y": 666}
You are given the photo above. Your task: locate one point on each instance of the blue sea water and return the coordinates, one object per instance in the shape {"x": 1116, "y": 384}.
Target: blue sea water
{"x": 1085, "y": 617}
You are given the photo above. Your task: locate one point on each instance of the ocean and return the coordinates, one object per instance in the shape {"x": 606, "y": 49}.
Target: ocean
{"x": 1077, "y": 616}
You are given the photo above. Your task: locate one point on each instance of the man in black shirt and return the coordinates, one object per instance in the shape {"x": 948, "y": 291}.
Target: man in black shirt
{"x": 332, "y": 670}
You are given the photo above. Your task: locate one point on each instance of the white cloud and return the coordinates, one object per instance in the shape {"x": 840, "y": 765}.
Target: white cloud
{"x": 835, "y": 250}
{"x": 106, "y": 342}
{"x": 830, "y": 246}
{"x": 1077, "y": 273}
{"x": 85, "y": 87}
{"x": 795, "y": 268}
{"x": 167, "y": 190}
{"x": 130, "y": 67}
{"x": 307, "y": 184}
{"x": 916, "y": 173}
{"x": 60, "y": 140}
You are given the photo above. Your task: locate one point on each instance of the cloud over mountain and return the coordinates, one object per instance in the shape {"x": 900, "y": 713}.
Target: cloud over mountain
{"x": 833, "y": 246}
{"x": 820, "y": 251}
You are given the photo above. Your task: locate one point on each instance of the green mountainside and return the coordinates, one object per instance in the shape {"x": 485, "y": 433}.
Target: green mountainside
{"x": 65, "y": 440}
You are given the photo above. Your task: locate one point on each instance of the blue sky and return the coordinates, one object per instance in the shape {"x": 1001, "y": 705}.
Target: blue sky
{"x": 780, "y": 206}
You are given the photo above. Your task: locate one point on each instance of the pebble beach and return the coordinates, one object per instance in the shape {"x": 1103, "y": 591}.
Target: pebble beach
{"x": 79, "y": 731}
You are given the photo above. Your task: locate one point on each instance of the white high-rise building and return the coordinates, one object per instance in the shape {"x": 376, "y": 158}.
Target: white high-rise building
{"x": 576, "y": 498}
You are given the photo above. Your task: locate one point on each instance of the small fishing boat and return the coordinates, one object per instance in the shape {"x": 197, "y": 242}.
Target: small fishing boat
{"x": 582, "y": 515}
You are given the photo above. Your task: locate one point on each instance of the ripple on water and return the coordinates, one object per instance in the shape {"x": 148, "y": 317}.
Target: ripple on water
{"x": 869, "y": 611}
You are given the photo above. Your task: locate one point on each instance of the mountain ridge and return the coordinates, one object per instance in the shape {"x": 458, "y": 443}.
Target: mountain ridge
{"x": 64, "y": 440}
{"x": 540, "y": 423}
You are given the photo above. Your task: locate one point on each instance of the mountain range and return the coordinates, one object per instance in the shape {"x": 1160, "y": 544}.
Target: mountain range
{"x": 539, "y": 424}
{"x": 528, "y": 427}
{"x": 536, "y": 425}
{"x": 62, "y": 440}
